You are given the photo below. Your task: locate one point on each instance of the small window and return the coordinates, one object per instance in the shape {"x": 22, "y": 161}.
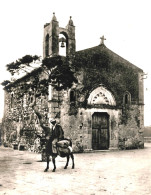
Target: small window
{"x": 127, "y": 98}
{"x": 72, "y": 96}
{"x": 12, "y": 100}
{"x": 31, "y": 99}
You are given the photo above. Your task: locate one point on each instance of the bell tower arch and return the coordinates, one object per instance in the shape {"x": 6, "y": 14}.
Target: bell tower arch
{"x": 52, "y": 38}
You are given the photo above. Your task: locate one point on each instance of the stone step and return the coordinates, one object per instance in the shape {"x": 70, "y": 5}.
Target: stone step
{"x": 147, "y": 139}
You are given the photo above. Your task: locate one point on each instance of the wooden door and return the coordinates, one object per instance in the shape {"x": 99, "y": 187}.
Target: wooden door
{"x": 100, "y": 131}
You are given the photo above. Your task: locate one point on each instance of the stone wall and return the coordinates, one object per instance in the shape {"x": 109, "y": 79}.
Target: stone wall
{"x": 122, "y": 136}
{"x": 125, "y": 121}
{"x": 79, "y": 127}
{"x": 19, "y": 118}
{"x": 131, "y": 133}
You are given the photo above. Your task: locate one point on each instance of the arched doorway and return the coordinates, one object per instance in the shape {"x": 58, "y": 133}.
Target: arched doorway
{"x": 100, "y": 131}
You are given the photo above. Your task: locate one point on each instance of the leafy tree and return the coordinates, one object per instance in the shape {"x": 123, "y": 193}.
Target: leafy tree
{"x": 61, "y": 75}
{"x": 59, "y": 72}
{"x": 23, "y": 64}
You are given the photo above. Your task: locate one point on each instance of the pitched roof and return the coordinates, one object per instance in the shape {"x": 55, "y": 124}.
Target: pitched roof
{"x": 23, "y": 78}
{"x": 115, "y": 57}
{"x": 90, "y": 51}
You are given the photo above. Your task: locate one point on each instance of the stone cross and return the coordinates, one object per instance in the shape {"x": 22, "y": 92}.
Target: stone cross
{"x": 102, "y": 39}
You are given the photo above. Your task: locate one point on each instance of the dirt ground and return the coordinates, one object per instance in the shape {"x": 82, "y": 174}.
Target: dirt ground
{"x": 99, "y": 173}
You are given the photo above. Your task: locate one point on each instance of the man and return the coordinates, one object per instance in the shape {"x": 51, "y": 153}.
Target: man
{"x": 53, "y": 133}
{"x": 57, "y": 134}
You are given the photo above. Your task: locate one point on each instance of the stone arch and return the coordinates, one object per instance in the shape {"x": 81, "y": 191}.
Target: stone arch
{"x": 53, "y": 30}
{"x": 63, "y": 32}
{"x": 63, "y": 39}
{"x": 65, "y": 35}
{"x": 101, "y": 95}
{"x": 69, "y": 33}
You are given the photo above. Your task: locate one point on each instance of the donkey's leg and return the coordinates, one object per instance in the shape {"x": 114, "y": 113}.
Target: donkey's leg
{"x": 72, "y": 157}
{"x": 67, "y": 162}
{"x": 47, "y": 164}
{"x": 54, "y": 163}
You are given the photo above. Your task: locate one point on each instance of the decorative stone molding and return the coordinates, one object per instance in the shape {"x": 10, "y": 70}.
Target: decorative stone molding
{"x": 101, "y": 95}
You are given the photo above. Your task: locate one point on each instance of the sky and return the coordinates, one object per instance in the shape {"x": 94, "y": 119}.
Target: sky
{"x": 124, "y": 23}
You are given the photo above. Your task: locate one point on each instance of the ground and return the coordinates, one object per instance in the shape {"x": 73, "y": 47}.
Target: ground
{"x": 109, "y": 172}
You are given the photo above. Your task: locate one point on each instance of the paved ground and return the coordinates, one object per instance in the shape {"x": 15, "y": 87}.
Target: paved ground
{"x": 103, "y": 173}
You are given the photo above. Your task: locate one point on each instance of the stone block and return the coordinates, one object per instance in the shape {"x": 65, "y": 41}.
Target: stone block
{"x": 55, "y": 104}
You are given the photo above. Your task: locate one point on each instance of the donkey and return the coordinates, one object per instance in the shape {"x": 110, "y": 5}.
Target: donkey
{"x": 62, "y": 152}
{"x": 48, "y": 143}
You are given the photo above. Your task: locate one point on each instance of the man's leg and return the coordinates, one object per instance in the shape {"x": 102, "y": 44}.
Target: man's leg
{"x": 54, "y": 148}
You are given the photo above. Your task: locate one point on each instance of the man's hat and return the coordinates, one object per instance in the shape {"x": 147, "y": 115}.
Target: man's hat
{"x": 52, "y": 120}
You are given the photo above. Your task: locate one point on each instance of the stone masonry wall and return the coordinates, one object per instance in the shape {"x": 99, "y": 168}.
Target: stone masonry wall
{"x": 19, "y": 119}
{"x": 126, "y": 129}
{"x": 131, "y": 133}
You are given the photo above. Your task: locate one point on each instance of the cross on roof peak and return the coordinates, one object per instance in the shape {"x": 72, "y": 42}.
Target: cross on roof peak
{"x": 102, "y": 39}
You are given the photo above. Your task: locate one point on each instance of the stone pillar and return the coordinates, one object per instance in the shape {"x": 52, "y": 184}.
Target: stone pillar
{"x": 52, "y": 30}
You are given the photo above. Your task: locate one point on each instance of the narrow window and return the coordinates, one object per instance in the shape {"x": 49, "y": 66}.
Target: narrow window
{"x": 31, "y": 99}
{"x": 12, "y": 100}
{"x": 72, "y": 96}
{"x": 127, "y": 98}
{"x": 47, "y": 46}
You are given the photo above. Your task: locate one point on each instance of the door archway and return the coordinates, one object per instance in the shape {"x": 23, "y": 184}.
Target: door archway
{"x": 100, "y": 131}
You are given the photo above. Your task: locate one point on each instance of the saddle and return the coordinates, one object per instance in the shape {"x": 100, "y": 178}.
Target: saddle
{"x": 64, "y": 147}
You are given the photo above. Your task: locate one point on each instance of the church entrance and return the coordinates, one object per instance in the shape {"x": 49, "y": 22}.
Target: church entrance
{"x": 100, "y": 131}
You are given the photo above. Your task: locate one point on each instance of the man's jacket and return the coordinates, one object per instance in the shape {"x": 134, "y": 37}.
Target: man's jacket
{"x": 57, "y": 132}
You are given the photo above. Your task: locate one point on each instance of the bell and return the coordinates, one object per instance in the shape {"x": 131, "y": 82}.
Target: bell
{"x": 62, "y": 44}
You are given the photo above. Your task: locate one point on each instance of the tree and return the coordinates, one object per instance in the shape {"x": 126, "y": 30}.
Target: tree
{"x": 61, "y": 75}
{"x": 58, "y": 69}
{"x": 23, "y": 64}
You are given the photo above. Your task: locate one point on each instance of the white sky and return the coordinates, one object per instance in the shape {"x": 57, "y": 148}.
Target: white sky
{"x": 124, "y": 23}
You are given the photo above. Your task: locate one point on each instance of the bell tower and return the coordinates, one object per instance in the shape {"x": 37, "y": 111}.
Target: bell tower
{"x": 51, "y": 39}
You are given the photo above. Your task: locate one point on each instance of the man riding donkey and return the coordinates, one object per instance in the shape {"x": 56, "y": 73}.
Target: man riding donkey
{"x": 57, "y": 134}
{"x": 53, "y": 134}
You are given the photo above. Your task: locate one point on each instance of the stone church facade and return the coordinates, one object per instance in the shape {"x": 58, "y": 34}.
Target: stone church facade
{"x": 104, "y": 110}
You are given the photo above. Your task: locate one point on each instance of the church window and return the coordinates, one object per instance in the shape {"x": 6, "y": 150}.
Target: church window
{"x": 31, "y": 99}
{"x": 12, "y": 100}
{"x": 126, "y": 98}
{"x": 47, "y": 46}
{"x": 72, "y": 96}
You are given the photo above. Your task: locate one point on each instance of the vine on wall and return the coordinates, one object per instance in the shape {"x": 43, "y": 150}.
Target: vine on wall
{"x": 100, "y": 68}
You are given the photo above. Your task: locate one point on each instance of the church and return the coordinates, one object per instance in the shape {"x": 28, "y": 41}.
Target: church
{"x": 104, "y": 110}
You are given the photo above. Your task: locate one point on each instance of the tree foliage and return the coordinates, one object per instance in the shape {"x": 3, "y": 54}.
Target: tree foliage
{"x": 22, "y": 64}
{"x": 59, "y": 74}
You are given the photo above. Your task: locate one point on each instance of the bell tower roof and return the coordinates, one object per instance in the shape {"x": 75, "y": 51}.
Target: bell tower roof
{"x": 52, "y": 30}
{"x": 70, "y": 21}
{"x": 54, "y": 17}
